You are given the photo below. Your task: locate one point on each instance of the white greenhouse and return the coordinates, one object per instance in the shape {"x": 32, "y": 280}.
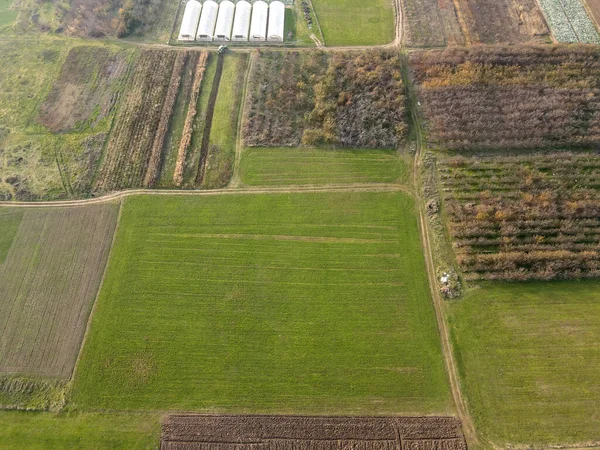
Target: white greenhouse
{"x": 241, "y": 22}
{"x": 207, "y": 21}
{"x": 224, "y": 21}
{"x": 258, "y": 26}
{"x": 189, "y": 24}
{"x": 276, "y": 21}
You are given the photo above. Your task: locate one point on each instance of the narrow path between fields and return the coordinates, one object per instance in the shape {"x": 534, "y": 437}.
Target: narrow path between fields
{"x": 368, "y": 187}
{"x": 461, "y": 406}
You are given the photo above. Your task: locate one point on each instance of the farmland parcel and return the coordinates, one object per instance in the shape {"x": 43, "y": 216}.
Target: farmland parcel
{"x": 320, "y": 302}
{"x": 528, "y": 356}
{"x": 48, "y": 283}
{"x": 506, "y": 97}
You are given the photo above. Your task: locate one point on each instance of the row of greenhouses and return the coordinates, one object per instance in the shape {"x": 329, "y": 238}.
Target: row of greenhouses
{"x": 226, "y": 21}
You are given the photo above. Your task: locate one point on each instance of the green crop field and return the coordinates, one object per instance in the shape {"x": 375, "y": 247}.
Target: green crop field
{"x": 301, "y": 303}
{"x": 355, "y": 22}
{"x": 93, "y": 431}
{"x": 294, "y": 166}
{"x": 528, "y": 355}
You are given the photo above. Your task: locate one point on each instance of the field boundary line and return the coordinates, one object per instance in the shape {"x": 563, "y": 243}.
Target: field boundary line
{"x": 447, "y": 349}
{"x": 368, "y": 187}
{"x": 95, "y": 303}
{"x": 235, "y": 178}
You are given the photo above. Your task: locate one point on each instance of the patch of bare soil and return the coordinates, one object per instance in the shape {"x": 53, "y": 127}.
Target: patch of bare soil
{"x": 83, "y": 90}
{"x": 186, "y": 432}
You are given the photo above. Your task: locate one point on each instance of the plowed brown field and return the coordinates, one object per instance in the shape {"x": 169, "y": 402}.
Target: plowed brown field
{"x": 186, "y": 432}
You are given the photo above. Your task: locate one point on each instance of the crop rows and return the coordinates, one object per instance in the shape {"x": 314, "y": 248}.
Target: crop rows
{"x": 487, "y": 98}
{"x": 569, "y": 21}
{"x": 524, "y": 217}
{"x": 136, "y": 125}
{"x": 188, "y": 126}
{"x": 181, "y": 432}
{"x": 351, "y": 100}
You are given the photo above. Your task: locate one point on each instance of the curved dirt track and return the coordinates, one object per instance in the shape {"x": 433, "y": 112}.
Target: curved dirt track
{"x": 227, "y": 191}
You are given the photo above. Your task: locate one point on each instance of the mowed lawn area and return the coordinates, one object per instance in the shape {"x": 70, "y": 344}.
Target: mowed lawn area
{"x": 266, "y": 303}
{"x": 311, "y": 166}
{"x": 356, "y": 22}
{"x": 94, "y": 431}
{"x": 529, "y": 356}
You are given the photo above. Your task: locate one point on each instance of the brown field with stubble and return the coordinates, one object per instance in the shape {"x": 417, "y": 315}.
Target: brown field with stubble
{"x": 435, "y": 23}
{"x": 186, "y": 432}
{"x": 48, "y": 284}
{"x": 594, "y": 8}
{"x": 145, "y": 103}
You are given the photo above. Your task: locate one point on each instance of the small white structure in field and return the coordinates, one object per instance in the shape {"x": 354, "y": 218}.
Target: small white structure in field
{"x": 189, "y": 24}
{"x": 207, "y": 21}
{"x": 241, "y": 22}
{"x": 224, "y": 21}
{"x": 258, "y": 26}
{"x": 276, "y": 21}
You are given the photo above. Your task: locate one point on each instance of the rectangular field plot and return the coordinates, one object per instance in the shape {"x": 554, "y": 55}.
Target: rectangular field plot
{"x": 48, "y": 283}
{"x": 83, "y": 431}
{"x": 355, "y": 22}
{"x": 528, "y": 356}
{"x": 187, "y": 432}
{"x": 277, "y": 303}
{"x": 518, "y": 217}
{"x": 510, "y": 97}
{"x": 294, "y": 166}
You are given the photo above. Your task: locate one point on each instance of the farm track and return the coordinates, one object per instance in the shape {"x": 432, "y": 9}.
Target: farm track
{"x": 451, "y": 367}
{"x": 369, "y": 187}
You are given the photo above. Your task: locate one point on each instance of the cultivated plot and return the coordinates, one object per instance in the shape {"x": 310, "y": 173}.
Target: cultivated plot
{"x": 314, "y": 166}
{"x": 48, "y": 282}
{"x": 528, "y": 356}
{"x": 513, "y": 97}
{"x": 340, "y": 99}
{"x": 528, "y": 216}
{"x": 569, "y": 21}
{"x": 319, "y": 302}
{"x": 355, "y": 22}
{"x": 187, "y": 432}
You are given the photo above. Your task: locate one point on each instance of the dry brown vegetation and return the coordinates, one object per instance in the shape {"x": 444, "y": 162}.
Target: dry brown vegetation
{"x": 516, "y": 97}
{"x": 188, "y": 126}
{"x": 340, "y": 99}
{"x": 520, "y": 217}
{"x": 594, "y": 8}
{"x": 183, "y": 432}
{"x": 154, "y": 165}
{"x": 136, "y": 125}
{"x": 49, "y": 281}
{"x": 85, "y": 90}
{"x": 458, "y": 22}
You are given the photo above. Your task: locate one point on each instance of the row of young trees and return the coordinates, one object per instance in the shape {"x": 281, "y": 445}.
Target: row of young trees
{"x": 536, "y": 217}
{"x": 342, "y": 99}
{"x": 493, "y": 97}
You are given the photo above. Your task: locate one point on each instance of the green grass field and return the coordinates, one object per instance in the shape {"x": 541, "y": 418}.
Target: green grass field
{"x": 10, "y": 219}
{"x": 528, "y": 355}
{"x": 223, "y": 134}
{"x": 302, "y": 303}
{"x": 294, "y": 166}
{"x": 355, "y": 22}
{"x": 37, "y": 430}
{"x": 7, "y": 16}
